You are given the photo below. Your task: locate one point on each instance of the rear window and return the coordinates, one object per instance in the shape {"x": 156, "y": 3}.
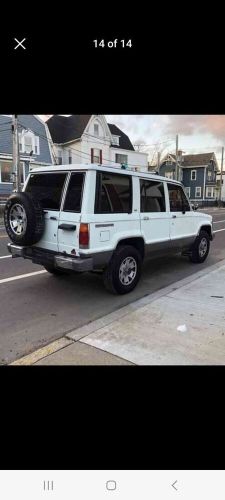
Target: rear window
{"x": 74, "y": 193}
{"x": 113, "y": 193}
{"x": 47, "y": 188}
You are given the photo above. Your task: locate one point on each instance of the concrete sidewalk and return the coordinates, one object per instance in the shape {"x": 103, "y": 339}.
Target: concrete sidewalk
{"x": 183, "y": 323}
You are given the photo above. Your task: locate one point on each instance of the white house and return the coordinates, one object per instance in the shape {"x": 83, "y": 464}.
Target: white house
{"x": 90, "y": 139}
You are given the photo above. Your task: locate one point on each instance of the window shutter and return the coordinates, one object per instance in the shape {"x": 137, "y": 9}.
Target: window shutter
{"x": 92, "y": 155}
{"x": 100, "y": 156}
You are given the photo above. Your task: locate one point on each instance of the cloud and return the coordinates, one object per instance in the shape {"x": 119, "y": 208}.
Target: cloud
{"x": 197, "y": 124}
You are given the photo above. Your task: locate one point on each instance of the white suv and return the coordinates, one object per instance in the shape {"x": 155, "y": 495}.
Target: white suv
{"x": 95, "y": 217}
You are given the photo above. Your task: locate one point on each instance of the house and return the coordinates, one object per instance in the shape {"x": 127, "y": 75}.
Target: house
{"x": 198, "y": 172}
{"x": 34, "y": 147}
{"x": 90, "y": 139}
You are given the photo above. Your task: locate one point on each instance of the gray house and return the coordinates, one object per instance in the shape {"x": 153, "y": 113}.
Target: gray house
{"x": 34, "y": 146}
{"x": 198, "y": 173}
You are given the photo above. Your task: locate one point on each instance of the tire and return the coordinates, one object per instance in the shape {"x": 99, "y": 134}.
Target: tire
{"x": 124, "y": 259}
{"x": 54, "y": 270}
{"x": 24, "y": 219}
{"x": 200, "y": 249}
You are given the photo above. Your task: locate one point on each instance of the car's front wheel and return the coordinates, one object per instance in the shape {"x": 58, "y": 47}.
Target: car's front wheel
{"x": 200, "y": 249}
{"x": 123, "y": 271}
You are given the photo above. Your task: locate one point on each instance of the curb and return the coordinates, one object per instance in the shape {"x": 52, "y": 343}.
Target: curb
{"x": 43, "y": 352}
{"x": 83, "y": 331}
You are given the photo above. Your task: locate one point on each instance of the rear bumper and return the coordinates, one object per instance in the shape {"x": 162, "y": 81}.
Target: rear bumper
{"x": 44, "y": 257}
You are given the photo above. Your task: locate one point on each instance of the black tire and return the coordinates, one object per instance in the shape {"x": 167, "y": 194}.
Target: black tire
{"x": 54, "y": 270}
{"x": 196, "y": 256}
{"x": 111, "y": 276}
{"x": 35, "y": 223}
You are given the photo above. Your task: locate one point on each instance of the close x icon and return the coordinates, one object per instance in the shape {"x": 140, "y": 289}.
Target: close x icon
{"x": 19, "y": 44}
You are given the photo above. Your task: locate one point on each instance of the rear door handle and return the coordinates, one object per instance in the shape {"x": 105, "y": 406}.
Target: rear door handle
{"x": 67, "y": 227}
{"x": 146, "y": 218}
{"x": 174, "y": 216}
{"x": 53, "y": 218}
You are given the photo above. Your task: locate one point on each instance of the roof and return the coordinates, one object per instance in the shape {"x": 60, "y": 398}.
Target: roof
{"x": 193, "y": 160}
{"x": 104, "y": 168}
{"x": 124, "y": 140}
{"x": 64, "y": 129}
{"x": 67, "y": 128}
{"x": 197, "y": 159}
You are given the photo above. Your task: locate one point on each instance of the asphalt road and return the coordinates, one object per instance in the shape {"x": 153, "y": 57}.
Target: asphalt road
{"x": 39, "y": 308}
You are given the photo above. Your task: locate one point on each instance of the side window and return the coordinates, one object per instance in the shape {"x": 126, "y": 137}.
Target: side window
{"x": 152, "y": 196}
{"x": 178, "y": 200}
{"x": 74, "y": 193}
{"x": 113, "y": 193}
{"x": 47, "y": 188}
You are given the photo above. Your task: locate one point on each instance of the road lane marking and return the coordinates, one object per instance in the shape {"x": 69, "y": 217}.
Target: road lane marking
{"x": 218, "y": 221}
{"x": 21, "y": 276}
{"x": 43, "y": 352}
{"x": 218, "y": 230}
{"x": 5, "y": 256}
{"x": 4, "y": 236}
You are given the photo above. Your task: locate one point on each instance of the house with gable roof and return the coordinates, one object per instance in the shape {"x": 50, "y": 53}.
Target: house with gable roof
{"x": 90, "y": 139}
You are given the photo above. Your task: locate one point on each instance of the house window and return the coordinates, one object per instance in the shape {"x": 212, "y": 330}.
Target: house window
{"x": 188, "y": 191}
{"x": 96, "y": 129}
{"x": 193, "y": 175}
{"x": 59, "y": 157}
{"x": 116, "y": 140}
{"x": 209, "y": 176}
{"x": 37, "y": 146}
{"x": 209, "y": 192}
{"x": 28, "y": 142}
{"x": 96, "y": 155}
{"x": 6, "y": 172}
{"x": 170, "y": 175}
{"x": 122, "y": 159}
{"x": 198, "y": 192}
{"x": 70, "y": 156}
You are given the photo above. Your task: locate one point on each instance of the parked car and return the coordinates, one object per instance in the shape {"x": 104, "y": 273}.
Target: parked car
{"x": 95, "y": 217}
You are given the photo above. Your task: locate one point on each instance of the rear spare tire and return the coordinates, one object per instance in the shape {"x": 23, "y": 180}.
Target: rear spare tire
{"x": 24, "y": 219}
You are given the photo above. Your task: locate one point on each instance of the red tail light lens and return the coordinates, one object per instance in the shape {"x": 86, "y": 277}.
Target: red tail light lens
{"x": 84, "y": 236}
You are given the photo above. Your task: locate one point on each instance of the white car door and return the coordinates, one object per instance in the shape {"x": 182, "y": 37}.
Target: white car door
{"x": 155, "y": 220}
{"x": 70, "y": 215}
{"x": 183, "y": 223}
{"x": 48, "y": 189}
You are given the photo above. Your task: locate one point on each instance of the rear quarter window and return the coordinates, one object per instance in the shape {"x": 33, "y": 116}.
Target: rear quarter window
{"x": 47, "y": 189}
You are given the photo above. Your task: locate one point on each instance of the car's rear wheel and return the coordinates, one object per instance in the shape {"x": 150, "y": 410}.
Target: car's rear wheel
{"x": 200, "y": 249}
{"x": 123, "y": 271}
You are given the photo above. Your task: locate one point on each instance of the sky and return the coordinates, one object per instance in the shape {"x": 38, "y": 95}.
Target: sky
{"x": 153, "y": 133}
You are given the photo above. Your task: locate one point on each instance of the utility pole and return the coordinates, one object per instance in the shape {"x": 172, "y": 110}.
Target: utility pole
{"x": 221, "y": 178}
{"x": 177, "y": 168}
{"x": 158, "y": 160}
{"x": 16, "y": 158}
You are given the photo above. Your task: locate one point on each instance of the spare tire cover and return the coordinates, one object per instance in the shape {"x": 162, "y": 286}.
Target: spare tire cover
{"x": 24, "y": 219}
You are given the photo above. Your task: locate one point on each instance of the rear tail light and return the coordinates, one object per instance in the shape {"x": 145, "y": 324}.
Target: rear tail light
{"x": 84, "y": 236}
